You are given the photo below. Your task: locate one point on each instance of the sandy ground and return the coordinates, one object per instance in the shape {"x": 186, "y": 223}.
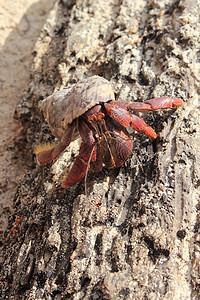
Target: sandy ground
{"x": 21, "y": 22}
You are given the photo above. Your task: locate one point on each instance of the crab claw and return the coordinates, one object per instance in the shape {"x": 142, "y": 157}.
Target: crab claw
{"x": 140, "y": 126}
{"x": 123, "y": 117}
{"x": 44, "y": 153}
{"x": 47, "y": 152}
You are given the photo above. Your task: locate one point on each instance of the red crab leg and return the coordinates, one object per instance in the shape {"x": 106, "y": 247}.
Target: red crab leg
{"x": 80, "y": 165}
{"x": 156, "y": 103}
{"x": 123, "y": 117}
{"x": 87, "y": 154}
{"x": 149, "y": 105}
{"x": 47, "y": 152}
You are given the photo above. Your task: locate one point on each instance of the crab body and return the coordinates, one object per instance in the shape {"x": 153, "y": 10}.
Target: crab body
{"x": 89, "y": 109}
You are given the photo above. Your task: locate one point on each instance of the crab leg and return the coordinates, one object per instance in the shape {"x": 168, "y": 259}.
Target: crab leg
{"x": 47, "y": 152}
{"x": 87, "y": 154}
{"x": 149, "y": 105}
{"x": 156, "y": 103}
{"x": 80, "y": 165}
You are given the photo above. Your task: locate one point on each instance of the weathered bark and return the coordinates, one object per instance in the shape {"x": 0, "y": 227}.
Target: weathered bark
{"x": 142, "y": 242}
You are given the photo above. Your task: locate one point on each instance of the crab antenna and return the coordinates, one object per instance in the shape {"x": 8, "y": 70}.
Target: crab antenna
{"x": 104, "y": 135}
{"x": 109, "y": 146}
{"x": 86, "y": 173}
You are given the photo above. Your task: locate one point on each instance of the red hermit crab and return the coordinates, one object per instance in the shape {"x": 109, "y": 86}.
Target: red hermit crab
{"x": 89, "y": 109}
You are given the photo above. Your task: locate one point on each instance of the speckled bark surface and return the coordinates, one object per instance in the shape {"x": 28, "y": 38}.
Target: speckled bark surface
{"x": 142, "y": 242}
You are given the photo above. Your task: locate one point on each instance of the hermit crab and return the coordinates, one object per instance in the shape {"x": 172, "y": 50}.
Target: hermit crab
{"x": 89, "y": 109}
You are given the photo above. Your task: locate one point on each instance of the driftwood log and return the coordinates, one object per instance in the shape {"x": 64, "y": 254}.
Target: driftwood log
{"x": 135, "y": 235}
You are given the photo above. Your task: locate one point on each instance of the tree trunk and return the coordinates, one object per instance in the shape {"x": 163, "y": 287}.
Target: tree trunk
{"x": 134, "y": 235}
